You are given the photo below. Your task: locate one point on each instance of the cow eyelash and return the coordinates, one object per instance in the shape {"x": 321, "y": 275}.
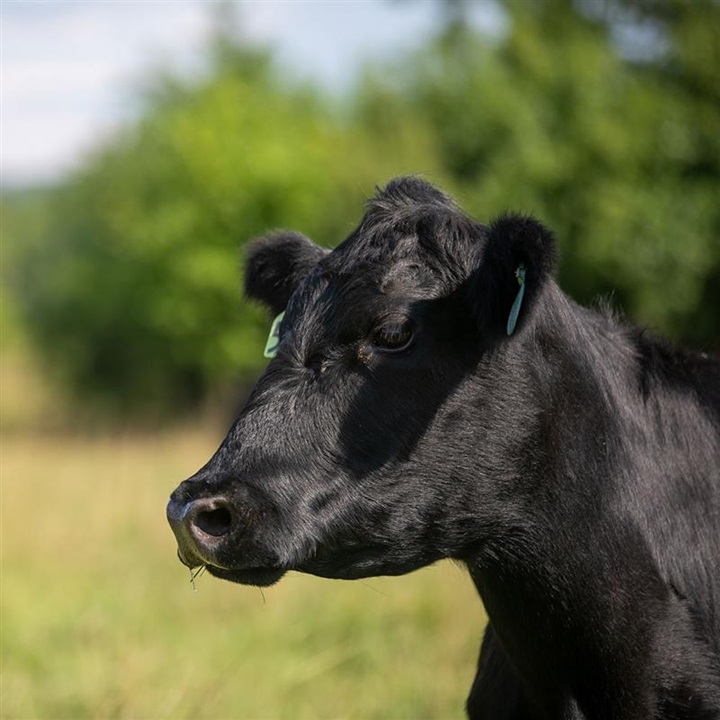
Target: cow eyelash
{"x": 393, "y": 336}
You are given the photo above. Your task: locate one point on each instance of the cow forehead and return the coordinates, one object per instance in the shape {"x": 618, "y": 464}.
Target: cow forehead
{"x": 359, "y": 293}
{"x": 356, "y": 284}
{"x": 396, "y": 256}
{"x": 387, "y": 259}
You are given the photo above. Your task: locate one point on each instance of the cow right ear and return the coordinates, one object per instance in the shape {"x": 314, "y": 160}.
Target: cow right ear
{"x": 275, "y": 264}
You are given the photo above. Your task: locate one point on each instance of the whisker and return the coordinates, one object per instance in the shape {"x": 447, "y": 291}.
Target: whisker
{"x": 374, "y": 589}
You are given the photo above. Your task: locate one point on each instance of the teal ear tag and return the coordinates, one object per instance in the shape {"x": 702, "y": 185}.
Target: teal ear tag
{"x": 515, "y": 309}
{"x": 273, "y": 340}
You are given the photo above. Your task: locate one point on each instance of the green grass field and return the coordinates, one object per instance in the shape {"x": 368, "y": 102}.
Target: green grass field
{"x": 99, "y": 620}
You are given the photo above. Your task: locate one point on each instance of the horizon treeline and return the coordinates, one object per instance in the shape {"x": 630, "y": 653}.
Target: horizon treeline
{"x": 601, "y": 118}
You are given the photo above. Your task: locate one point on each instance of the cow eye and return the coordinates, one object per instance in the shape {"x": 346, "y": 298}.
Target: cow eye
{"x": 393, "y": 336}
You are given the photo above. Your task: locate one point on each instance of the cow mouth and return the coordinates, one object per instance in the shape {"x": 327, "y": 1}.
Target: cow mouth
{"x": 259, "y": 577}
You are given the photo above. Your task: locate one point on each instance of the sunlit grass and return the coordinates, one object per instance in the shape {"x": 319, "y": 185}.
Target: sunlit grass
{"x": 99, "y": 620}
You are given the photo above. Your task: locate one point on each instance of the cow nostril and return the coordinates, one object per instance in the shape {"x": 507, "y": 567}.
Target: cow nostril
{"x": 214, "y": 522}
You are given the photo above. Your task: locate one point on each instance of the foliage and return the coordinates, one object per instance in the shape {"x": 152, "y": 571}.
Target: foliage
{"x": 127, "y": 276}
{"x": 620, "y": 158}
{"x": 132, "y": 286}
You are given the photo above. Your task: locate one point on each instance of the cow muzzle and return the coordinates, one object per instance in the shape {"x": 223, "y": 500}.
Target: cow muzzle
{"x": 210, "y": 532}
{"x": 200, "y": 526}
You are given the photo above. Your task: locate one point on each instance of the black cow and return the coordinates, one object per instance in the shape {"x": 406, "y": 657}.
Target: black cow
{"x": 436, "y": 395}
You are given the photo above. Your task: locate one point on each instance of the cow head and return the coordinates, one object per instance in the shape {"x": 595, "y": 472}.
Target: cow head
{"x": 376, "y": 441}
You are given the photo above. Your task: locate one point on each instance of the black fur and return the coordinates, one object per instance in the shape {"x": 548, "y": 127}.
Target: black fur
{"x": 574, "y": 466}
{"x": 513, "y": 241}
{"x": 275, "y": 265}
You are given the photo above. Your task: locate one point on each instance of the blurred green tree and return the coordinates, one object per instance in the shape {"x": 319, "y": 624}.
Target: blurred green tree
{"x": 601, "y": 117}
{"x": 131, "y": 287}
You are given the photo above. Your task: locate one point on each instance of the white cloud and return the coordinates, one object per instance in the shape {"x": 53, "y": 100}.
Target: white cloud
{"x": 70, "y": 69}
{"x": 328, "y": 41}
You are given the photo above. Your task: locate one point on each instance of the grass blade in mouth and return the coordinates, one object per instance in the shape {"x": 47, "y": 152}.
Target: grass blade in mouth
{"x": 194, "y": 574}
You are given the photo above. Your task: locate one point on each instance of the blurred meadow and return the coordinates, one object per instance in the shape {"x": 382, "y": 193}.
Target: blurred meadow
{"x": 100, "y": 620}
{"x": 126, "y": 345}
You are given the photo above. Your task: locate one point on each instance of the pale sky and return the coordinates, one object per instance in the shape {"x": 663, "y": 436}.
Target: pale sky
{"x": 70, "y": 69}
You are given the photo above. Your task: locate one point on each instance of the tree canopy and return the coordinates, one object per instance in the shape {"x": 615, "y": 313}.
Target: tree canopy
{"x": 127, "y": 276}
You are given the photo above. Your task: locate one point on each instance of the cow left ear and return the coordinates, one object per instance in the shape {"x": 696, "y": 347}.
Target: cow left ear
{"x": 276, "y": 264}
{"x": 516, "y": 262}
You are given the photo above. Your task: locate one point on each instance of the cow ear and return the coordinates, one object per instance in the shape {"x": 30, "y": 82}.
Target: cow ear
{"x": 275, "y": 264}
{"x": 516, "y": 262}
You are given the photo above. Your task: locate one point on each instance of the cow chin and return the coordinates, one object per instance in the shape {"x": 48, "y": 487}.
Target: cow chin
{"x": 357, "y": 567}
{"x": 258, "y": 577}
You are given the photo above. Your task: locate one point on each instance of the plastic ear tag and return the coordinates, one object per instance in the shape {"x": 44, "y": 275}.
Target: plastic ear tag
{"x": 515, "y": 309}
{"x": 273, "y": 340}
